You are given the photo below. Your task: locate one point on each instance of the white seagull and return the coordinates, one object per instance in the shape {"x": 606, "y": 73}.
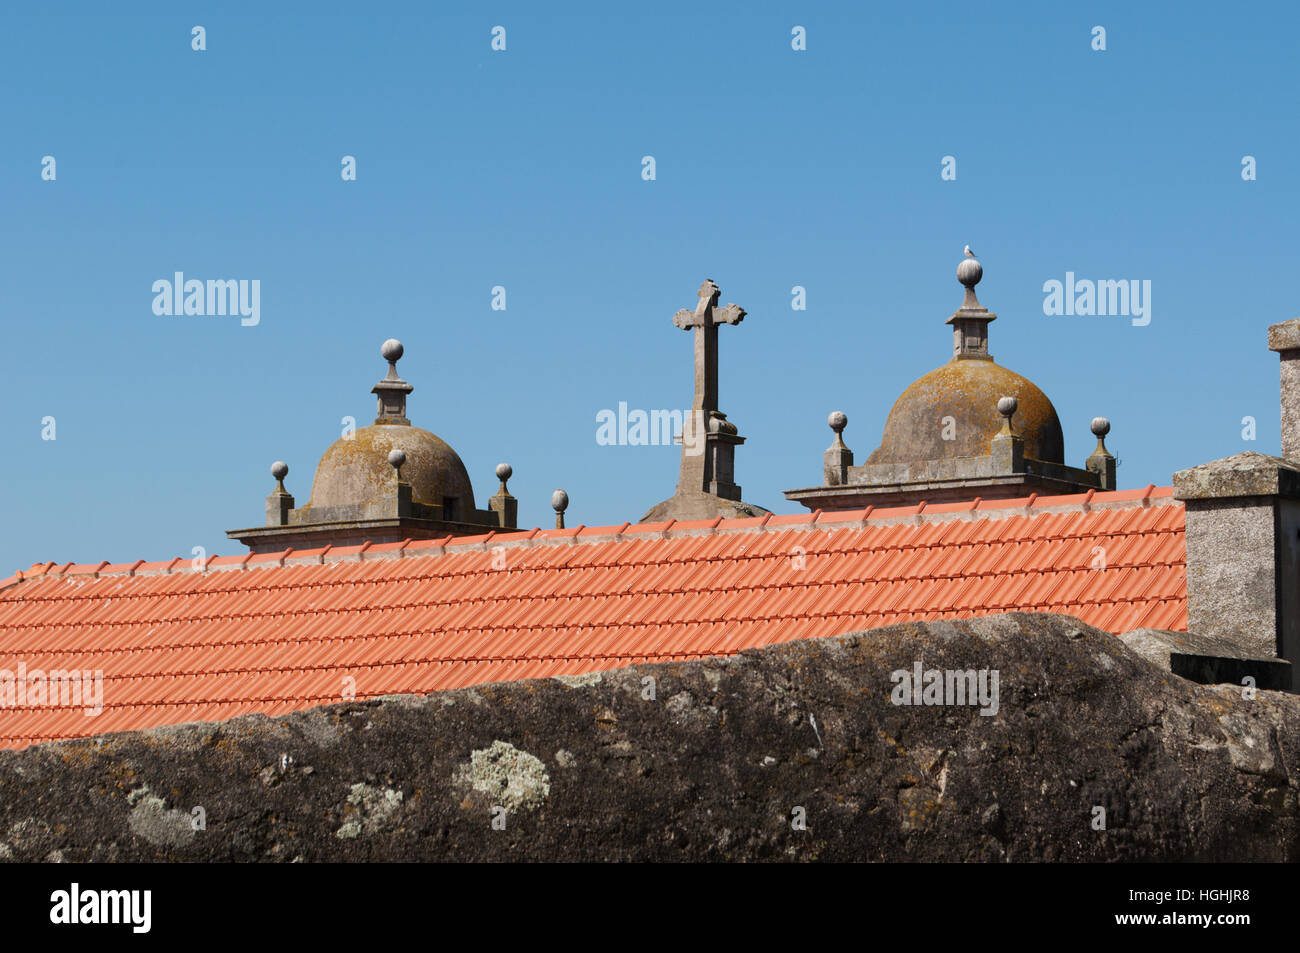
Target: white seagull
{"x": 969, "y": 253}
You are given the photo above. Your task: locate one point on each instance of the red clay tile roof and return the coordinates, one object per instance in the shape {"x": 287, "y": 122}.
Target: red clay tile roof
{"x": 275, "y": 633}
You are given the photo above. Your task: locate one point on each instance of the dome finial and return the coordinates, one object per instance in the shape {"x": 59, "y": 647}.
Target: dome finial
{"x": 1101, "y": 461}
{"x": 1007, "y": 407}
{"x": 970, "y": 322}
{"x": 392, "y": 390}
{"x": 559, "y": 503}
{"x": 837, "y": 421}
{"x": 838, "y": 458}
{"x": 1100, "y": 427}
{"x": 280, "y": 503}
{"x": 969, "y": 273}
{"x": 392, "y": 351}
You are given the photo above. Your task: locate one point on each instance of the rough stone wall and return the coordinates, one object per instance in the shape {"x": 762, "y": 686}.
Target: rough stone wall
{"x": 717, "y": 765}
{"x": 1231, "y": 581}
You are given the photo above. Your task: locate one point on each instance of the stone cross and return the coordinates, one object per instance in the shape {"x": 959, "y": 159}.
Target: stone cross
{"x": 705, "y": 320}
{"x": 708, "y": 457}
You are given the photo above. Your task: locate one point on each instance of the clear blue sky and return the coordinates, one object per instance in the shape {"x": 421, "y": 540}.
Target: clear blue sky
{"x": 775, "y": 168}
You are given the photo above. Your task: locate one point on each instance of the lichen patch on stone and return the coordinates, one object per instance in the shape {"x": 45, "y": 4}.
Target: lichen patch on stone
{"x": 369, "y": 809}
{"x": 152, "y": 820}
{"x": 509, "y": 777}
{"x": 579, "y": 681}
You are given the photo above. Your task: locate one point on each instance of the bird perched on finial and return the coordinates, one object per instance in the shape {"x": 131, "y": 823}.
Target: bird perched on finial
{"x": 969, "y": 253}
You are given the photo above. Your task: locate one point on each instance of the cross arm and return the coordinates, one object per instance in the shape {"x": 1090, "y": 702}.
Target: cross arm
{"x": 731, "y": 314}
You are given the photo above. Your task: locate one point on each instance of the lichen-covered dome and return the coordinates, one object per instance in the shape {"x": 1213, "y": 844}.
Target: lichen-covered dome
{"x": 355, "y": 469}
{"x": 953, "y": 410}
{"x": 967, "y": 391}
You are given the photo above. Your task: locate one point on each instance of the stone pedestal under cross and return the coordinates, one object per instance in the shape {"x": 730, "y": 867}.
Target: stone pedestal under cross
{"x": 706, "y": 484}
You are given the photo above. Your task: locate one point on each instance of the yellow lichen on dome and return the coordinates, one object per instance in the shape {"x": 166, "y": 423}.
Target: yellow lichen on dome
{"x": 952, "y": 412}
{"x": 354, "y": 470}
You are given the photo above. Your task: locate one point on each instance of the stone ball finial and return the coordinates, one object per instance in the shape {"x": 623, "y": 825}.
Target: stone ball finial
{"x": 504, "y": 471}
{"x": 969, "y": 272}
{"x": 1100, "y": 426}
{"x": 392, "y": 350}
{"x": 396, "y": 458}
{"x": 837, "y": 421}
{"x": 279, "y": 469}
{"x": 1007, "y": 406}
{"x": 559, "y": 501}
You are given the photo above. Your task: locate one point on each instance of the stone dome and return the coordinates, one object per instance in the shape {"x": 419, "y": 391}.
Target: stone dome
{"x": 381, "y": 484}
{"x": 986, "y": 456}
{"x": 968, "y": 392}
{"x": 355, "y": 471}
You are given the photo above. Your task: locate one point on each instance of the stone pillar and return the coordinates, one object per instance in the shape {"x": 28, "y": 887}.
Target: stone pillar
{"x": 280, "y": 502}
{"x": 692, "y": 475}
{"x": 1100, "y": 461}
{"x": 278, "y": 506}
{"x": 1285, "y": 339}
{"x": 505, "y": 506}
{"x": 1007, "y": 449}
{"x": 398, "y": 505}
{"x": 1243, "y": 552}
{"x": 720, "y": 465}
{"x": 838, "y": 458}
{"x": 709, "y": 443}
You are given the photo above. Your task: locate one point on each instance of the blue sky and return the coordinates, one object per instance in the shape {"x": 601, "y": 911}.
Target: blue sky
{"x": 522, "y": 168}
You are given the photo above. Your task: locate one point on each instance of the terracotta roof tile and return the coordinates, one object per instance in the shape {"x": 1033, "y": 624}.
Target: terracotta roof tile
{"x": 280, "y": 632}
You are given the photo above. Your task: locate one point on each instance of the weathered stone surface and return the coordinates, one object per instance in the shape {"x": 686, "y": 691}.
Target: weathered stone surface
{"x": 1155, "y": 645}
{"x": 1243, "y": 544}
{"x": 1284, "y": 336}
{"x": 712, "y": 767}
{"x": 1285, "y": 339}
{"x": 685, "y": 507}
{"x": 968, "y": 392}
{"x": 1242, "y": 474}
{"x": 1207, "y": 659}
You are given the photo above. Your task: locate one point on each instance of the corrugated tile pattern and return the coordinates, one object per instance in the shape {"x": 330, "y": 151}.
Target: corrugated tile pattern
{"x": 275, "y": 634}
